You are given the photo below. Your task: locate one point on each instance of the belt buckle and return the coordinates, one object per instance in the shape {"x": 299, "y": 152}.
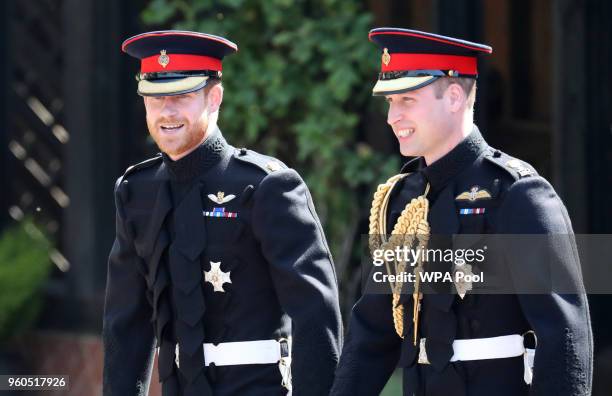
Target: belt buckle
{"x": 529, "y": 357}
{"x": 284, "y": 348}
{"x": 423, "y": 352}
{"x": 284, "y": 363}
{"x": 535, "y": 338}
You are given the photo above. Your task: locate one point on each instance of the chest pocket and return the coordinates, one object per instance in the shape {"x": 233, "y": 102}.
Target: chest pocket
{"x": 224, "y": 224}
{"x": 474, "y": 215}
{"x": 472, "y": 223}
{"x": 225, "y": 218}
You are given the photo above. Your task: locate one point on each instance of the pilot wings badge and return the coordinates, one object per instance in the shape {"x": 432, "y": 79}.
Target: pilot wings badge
{"x": 474, "y": 194}
{"x": 221, "y": 198}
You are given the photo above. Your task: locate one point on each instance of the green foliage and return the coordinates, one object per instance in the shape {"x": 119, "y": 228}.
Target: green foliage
{"x": 394, "y": 385}
{"x": 297, "y": 89}
{"x": 24, "y": 266}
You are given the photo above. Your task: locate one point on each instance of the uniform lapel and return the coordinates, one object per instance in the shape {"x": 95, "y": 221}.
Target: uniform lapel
{"x": 444, "y": 223}
{"x": 163, "y": 203}
{"x": 443, "y": 214}
{"x": 189, "y": 223}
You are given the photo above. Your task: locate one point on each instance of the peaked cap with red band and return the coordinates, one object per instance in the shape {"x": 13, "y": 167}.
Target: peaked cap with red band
{"x": 413, "y": 59}
{"x": 174, "y": 62}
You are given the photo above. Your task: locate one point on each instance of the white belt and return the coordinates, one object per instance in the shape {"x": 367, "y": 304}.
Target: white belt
{"x": 243, "y": 352}
{"x": 488, "y": 348}
{"x": 249, "y": 352}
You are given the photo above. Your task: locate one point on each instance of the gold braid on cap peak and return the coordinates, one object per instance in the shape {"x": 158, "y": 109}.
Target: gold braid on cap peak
{"x": 412, "y": 224}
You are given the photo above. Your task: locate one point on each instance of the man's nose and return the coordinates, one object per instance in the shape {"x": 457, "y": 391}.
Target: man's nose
{"x": 393, "y": 115}
{"x": 168, "y": 107}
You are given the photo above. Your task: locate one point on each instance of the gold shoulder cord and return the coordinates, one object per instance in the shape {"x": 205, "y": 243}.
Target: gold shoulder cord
{"x": 411, "y": 224}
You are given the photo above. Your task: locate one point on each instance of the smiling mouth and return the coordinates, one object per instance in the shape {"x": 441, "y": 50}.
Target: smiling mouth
{"x": 171, "y": 127}
{"x": 404, "y": 133}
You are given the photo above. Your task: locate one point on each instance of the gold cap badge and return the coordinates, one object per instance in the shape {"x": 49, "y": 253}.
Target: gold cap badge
{"x": 386, "y": 57}
{"x": 163, "y": 59}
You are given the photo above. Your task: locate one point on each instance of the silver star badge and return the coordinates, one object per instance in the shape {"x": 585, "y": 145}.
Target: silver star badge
{"x": 463, "y": 286}
{"x": 217, "y": 277}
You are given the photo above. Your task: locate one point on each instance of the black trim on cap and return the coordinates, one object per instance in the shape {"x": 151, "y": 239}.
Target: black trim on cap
{"x": 392, "y": 75}
{"x": 178, "y": 74}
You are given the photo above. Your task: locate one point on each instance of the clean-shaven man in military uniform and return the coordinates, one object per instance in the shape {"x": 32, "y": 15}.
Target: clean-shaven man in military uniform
{"x": 462, "y": 343}
{"x": 220, "y": 267}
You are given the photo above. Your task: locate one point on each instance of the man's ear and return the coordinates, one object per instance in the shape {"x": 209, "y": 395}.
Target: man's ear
{"x": 214, "y": 98}
{"x": 455, "y": 97}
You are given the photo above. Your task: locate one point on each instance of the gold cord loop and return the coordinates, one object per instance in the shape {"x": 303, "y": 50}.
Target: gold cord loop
{"x": 410, "y": 226}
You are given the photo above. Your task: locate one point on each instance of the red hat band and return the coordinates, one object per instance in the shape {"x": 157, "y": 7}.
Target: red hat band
{"x": 178, "y": 62}
{"x": 404, "y": 62}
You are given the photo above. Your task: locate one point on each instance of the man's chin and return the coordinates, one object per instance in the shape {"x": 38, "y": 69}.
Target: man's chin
{"x": 409, "y": 152}
{"x": 171, "y": 151}
{"x": 179, "y": 152}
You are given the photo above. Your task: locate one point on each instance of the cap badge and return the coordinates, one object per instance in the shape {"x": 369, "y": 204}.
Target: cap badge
{"x": 163, "y": 59}
{"x": 386, "y": 57}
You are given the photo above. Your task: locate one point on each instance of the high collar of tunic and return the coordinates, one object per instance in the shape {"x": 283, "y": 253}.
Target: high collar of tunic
{"x": 451, "y": 164}
{"x": 204, "y": 157}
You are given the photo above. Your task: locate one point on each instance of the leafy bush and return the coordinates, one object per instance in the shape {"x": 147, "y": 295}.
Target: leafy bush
{"x": 24, "y": 267}
{"x": 297, "y": 89}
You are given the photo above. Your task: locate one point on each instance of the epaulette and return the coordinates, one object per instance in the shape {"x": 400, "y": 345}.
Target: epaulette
{"x": 515, "y": 167}
{"x": 263, "y": 162}
{"x": 142, "y": 165}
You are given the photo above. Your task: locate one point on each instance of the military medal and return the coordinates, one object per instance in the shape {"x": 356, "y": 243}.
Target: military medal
{"x": 469, "y": 211}
{"x": 220, "y": 212}
{"x": 163, "y": 59}
{"x": 463, "y": 286}
{"x": 216, "y": 276}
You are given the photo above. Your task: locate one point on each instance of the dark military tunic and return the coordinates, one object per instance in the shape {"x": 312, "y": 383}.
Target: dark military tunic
{"x": 521, "y": 202}
{"x": 268, "y": 237}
